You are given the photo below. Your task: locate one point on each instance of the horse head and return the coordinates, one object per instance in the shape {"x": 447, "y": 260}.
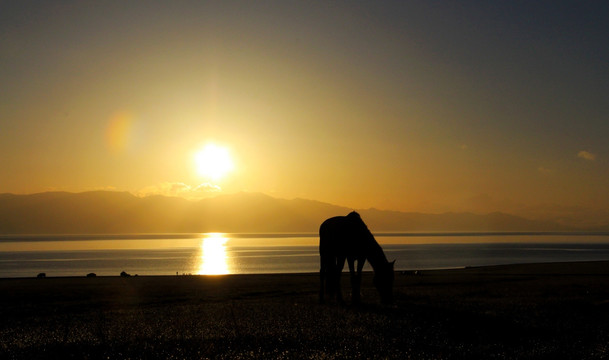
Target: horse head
{"x": 383, "y": 281}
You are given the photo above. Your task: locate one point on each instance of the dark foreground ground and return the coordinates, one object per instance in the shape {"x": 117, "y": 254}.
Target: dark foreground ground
{"x": 521, "y": 311}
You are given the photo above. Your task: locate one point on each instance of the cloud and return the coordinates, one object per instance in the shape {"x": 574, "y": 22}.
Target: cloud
{"x": 206, "y": 187}
{"x": 586, "y": 155}
{"x": 179, "y": 189}
{"x": 544, "y": 170}
{"x": 105, "y": 188}
{"x": 80, "y": 189}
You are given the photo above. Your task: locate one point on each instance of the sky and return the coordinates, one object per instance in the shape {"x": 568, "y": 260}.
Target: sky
{"x": 426, "y": 106}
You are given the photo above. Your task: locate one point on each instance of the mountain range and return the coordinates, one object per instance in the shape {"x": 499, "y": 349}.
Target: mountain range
{"x": 109, "y": 212}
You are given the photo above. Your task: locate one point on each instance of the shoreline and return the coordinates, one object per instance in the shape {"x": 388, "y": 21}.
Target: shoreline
{"x": 254, "y": 235}
{"x": 544, "y": 266}
{"x": 508, "y": 311}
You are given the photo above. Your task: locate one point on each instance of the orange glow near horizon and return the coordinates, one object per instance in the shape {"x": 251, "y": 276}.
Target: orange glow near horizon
{"x": 195, "y": 100}
{"x": 213, "y": 258}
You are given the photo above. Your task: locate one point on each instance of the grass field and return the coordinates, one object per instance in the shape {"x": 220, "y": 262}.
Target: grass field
{"x": 518, "y": 311}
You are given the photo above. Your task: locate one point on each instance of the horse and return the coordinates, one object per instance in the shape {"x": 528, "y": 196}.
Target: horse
{"x": 348, "y": 238}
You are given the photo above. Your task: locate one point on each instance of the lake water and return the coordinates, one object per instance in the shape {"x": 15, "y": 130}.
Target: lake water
{"x": 159, "y": 254}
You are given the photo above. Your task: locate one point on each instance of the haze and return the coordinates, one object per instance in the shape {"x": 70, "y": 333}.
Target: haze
{"x": 411, "y": 106}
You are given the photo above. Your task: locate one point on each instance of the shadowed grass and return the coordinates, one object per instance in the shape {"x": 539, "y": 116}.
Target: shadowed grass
{"x": 526, "y": 311}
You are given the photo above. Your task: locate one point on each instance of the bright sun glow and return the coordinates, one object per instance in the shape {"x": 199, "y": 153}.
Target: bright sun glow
{"x": 213, "y": 162}
{"x": 213, "y": 258}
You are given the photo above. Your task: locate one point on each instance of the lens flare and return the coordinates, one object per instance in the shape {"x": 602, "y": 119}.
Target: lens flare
{"x": 118, "y": 131}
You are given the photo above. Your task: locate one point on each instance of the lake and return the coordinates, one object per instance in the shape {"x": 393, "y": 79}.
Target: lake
{"x": 170, "y": 254}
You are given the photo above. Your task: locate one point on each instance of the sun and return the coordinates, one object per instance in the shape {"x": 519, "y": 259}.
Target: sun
{"x": 213, "y": 162}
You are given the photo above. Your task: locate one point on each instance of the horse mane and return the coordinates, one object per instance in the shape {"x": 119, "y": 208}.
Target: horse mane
{"x": 375, "y": 255}
{"x": 353, "y": 215}
{"x": 356, "y": 219}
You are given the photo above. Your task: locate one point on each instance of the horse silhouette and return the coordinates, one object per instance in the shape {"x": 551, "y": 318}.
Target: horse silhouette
{"x": 348, "y": 238}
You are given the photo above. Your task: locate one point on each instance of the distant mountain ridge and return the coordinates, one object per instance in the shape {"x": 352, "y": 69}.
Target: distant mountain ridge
{"x": 109, "y": 212}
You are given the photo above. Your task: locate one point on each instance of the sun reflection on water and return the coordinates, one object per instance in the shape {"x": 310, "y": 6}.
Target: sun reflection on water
{"x": 213, "y": 256}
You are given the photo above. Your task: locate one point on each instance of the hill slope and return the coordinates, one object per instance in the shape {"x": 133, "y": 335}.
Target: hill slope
{"x": 105, "y": 212}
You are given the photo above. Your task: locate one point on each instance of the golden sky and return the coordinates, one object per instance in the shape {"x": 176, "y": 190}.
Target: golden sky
{"x": 415, "y": 106}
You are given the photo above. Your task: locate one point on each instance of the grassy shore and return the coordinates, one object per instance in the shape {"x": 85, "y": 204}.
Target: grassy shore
{"x": 517, "y": 311}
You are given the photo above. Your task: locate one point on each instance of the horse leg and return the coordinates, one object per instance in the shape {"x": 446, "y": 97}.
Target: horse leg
{"x": 358, "y": 278}
{"x": 326, "y": 277}
{"x": 355, "y": 291}
{"x": 340, "y": 263}
{"x": 322, "y": 281}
